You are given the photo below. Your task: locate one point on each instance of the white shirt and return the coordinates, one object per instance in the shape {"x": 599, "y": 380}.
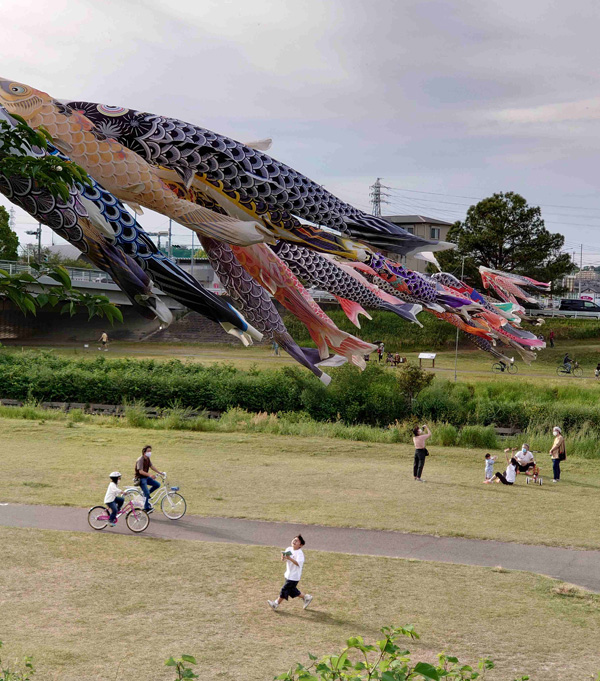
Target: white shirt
{"x": 524, "y": 457}
{"x": 112, "y": 492}
{"x": 511, "y": 473}
{"x": 294, "y": 572}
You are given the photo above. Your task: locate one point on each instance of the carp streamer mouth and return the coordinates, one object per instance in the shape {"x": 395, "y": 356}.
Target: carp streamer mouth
{"x": 21, "y": 107}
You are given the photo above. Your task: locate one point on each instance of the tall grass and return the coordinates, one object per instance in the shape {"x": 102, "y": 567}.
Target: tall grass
{"x": 581, "y": 442}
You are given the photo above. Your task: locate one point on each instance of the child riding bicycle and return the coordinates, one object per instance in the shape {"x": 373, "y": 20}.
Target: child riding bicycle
{"x": 112, "y": 498}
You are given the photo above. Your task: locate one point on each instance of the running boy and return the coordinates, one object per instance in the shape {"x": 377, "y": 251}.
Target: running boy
{"x": 294, "y": 557}
{"x": 489, "y": 467}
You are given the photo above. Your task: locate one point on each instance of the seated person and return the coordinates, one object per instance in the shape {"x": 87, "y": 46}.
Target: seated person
{"x": 502, "y": 365}
{"x": 509, "y": 476}
{"x": 397, "y": 358}
{"x": 597, "y": 371}
{"x": 389, "y": 359}
{"x": 524, "y": 459}
{"x": 567, "y": 361}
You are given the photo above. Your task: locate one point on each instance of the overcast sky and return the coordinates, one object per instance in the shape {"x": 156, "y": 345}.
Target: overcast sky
{"x": 447, "y": 101}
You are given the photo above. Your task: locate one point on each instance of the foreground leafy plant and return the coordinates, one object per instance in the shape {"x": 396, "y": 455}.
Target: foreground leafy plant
{"x": 22, "y": 673}
{"x": 181, "y": 667}
{"x": 384, "y": 661}
{"x": 15, "y": 287}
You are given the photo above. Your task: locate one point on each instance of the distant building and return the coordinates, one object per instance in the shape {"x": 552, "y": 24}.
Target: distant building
{"x": 587, "y": 275}
{"x": 420, "y": 225}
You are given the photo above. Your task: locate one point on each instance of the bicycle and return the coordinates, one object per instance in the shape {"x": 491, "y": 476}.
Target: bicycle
{"x": 502, "y": 367}
{"x": 137, "y": 519}
{"x": 573, "y": 370}
{"x": 172, "y": 504}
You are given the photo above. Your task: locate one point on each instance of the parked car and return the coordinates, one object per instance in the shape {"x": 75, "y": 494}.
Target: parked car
{"x": 576, "y": 305}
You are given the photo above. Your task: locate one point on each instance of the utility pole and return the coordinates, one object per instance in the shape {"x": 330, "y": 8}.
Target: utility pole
{"x": 580, "y": 266}
{"x": 377, "y": 196}
{"x": 37, "y": 232}
{"x": 192, "y": 258}
{"x": 170, "y": 245}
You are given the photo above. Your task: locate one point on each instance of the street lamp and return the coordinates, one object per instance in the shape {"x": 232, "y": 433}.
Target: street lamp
{"x": 37, "y": 232}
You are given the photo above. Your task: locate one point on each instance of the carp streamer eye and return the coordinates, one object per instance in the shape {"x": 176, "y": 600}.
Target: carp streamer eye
{"x": 112, "y": 110}
{"x": 17, "y": 89}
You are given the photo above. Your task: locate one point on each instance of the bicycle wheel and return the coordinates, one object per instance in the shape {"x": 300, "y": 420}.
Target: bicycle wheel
{"x": 512, "y": 369}
{"x": 561, "y": 371}
{"x": 496, "y": 368}
{"x": 98, "y": 517}
{"x": 173, "y": 506}
{"x": 578, "y": 372}
{"x": 137, "y": 520}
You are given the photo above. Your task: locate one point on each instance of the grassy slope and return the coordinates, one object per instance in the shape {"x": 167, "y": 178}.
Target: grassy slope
{"x": 336, "y": 482}
{"x": 115, "y": 607}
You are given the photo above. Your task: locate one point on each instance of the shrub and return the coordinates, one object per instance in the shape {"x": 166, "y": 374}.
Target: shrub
{"x": 388, "y": 660}
{"x": 478, "y": 437}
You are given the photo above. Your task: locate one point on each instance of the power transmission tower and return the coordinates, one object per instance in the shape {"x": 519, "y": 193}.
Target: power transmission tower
{"x": 377, "y": 196}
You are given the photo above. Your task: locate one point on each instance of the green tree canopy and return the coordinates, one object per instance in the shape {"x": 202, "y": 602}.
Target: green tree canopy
{"x": 504, "y": 233}
{"x": 9, "y": 241}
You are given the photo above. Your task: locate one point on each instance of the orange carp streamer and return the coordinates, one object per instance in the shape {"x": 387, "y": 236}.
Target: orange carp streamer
{"x": 272, "y": 273}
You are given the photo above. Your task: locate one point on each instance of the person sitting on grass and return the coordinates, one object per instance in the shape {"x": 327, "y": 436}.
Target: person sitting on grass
{"x": 510, "y": 475}
{"x": 113, "y": 499}
{"x": 294, "y": 557}
{"x": 524, "y": 457}
{"x": 489, "y": 467}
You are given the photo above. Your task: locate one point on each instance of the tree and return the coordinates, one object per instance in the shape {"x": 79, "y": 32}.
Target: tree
{"x": 9, "y": 241}
{"x": 504, "y": 233}
{"x": 56, "y": 176}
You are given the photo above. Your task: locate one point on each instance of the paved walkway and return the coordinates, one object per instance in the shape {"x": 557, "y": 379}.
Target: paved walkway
{"x": 570, "y": 565}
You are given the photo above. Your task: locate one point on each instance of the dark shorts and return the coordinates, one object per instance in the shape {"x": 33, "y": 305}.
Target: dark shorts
{"x": 289, "y": 590}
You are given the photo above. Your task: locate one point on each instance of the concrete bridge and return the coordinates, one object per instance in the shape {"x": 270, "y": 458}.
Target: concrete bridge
{"x": 49, "y": 325}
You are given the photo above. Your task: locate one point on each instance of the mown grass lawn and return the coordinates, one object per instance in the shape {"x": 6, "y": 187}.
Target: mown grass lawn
{"x": 305, "y": 480}
{"x": 101, "y": 606}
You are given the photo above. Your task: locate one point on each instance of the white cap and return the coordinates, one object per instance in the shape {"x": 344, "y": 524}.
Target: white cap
{"x": 115, "y": 474}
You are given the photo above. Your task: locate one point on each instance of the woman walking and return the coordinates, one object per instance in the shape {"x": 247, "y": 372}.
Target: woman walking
{"x": 421, "y": 435}
{"x": 558, "y": 452}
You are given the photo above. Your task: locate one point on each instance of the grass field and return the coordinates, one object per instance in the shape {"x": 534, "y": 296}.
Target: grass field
{"x": 333, "y": 482}
{"x": 472, "y": 364}
{"x": 96, "y": 606}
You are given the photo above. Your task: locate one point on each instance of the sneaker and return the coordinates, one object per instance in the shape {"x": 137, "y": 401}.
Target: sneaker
{"x": 149, "y": 510}
{"x": 274, "y": 604}
{"x": 111, "y": 524}
{"x": 307, "y": 601}
{"x": 555, "y": 481}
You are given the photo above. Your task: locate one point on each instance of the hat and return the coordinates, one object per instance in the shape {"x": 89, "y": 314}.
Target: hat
{"x": 115, "y": 474}
{"x": 557, "y": 428}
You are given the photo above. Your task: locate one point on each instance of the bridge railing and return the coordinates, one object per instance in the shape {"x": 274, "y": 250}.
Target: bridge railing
{"x": 77, "y": 274}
